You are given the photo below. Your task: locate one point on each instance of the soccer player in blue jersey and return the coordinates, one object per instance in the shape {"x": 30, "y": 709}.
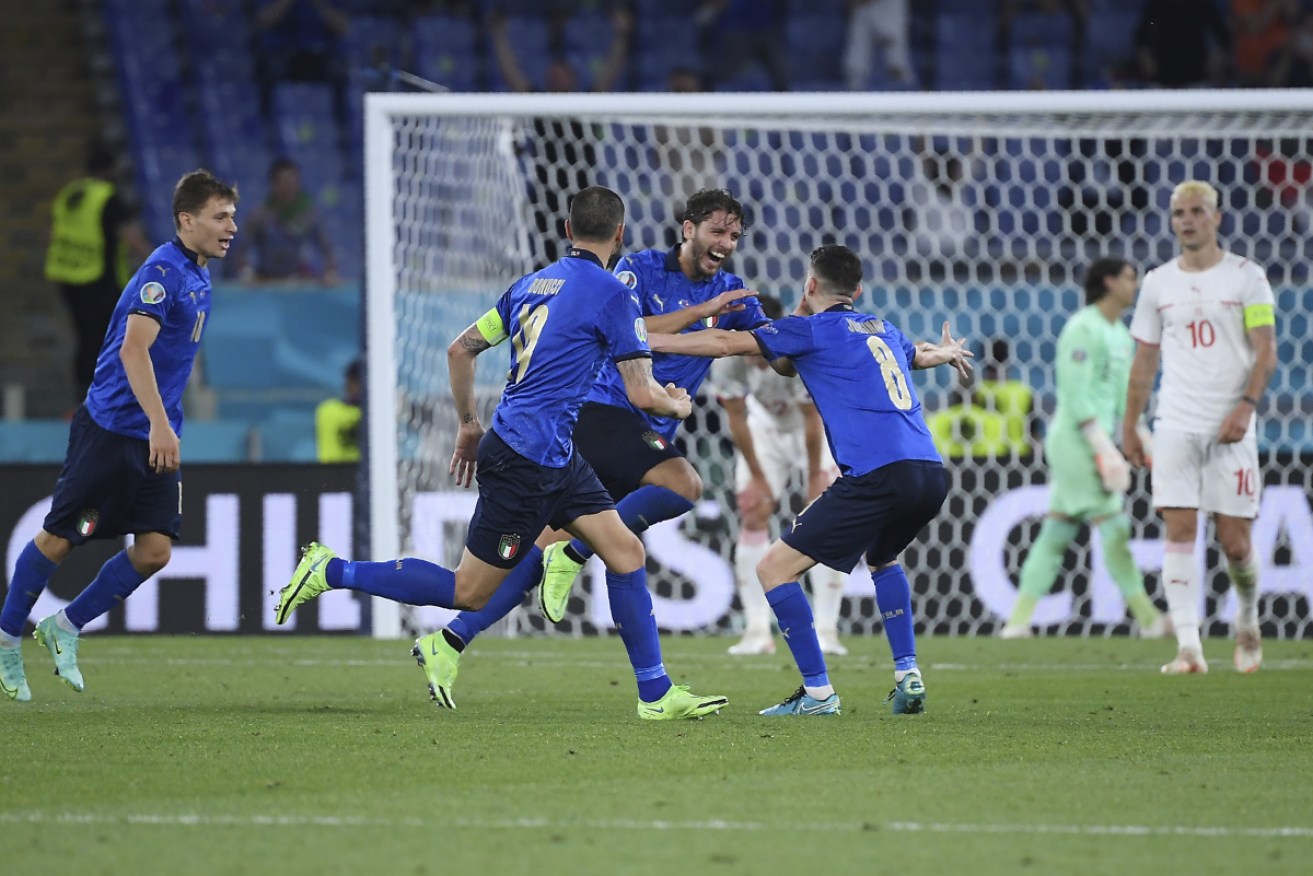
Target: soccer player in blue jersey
{"x": 855, "y": 366}
{"x": 122, "y": 470}
{"x": 630, "y": 449}
{"x": 565, "y": 322}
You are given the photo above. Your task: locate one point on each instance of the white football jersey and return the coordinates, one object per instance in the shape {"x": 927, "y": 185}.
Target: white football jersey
{"x": 1197, "y": 318}
{"x": 771, "y": 397}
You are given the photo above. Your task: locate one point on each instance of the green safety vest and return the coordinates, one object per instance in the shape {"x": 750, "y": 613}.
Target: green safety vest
{"x": 968, "y": 431}
{"x": 77, "y": 240}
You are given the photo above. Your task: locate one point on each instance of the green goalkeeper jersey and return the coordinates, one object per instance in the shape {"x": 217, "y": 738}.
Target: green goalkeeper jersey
{"x": 1094, "y": 364}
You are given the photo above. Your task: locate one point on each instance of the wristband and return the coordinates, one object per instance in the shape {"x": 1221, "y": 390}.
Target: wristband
{"x": 1247, "y": 398}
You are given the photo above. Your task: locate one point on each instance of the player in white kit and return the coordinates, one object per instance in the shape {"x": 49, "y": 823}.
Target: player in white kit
{"x": 1209, "y": 313}
{"x": 777, "y": 434}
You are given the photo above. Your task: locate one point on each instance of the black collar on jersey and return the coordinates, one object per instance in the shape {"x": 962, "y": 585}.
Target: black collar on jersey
{"x": 189, "y": 253}
{"x": 577, "y": 253}
{"x": 672, "y": 260}
{"x": 838, "y": 308}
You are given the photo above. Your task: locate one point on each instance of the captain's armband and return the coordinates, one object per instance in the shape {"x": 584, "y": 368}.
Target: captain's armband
{"x": 492, "y": 328}
{"x": 1258, "y": 315}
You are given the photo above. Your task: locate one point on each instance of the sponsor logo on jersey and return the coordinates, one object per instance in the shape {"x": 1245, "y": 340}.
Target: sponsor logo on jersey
{"x": 640, "y": 329}
{"x": 655, "y": 441}
{"x": 87, "y": 522}
{"x": 509, "y": 546}
{"x": 629, "y": 278}
{"x": 152, "y": 293}
{"x": 163, "y": 270}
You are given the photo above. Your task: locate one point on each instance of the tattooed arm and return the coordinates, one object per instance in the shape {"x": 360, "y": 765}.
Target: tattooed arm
{"x": 648, "y": 395}
{"x": 460, "y": 367}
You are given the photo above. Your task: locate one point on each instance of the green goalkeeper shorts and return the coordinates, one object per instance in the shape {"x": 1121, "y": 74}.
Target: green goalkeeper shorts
{"x": 1075, "y": 489}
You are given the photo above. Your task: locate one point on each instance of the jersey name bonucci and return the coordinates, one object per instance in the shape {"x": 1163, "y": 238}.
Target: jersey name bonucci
{"x": 1198, "y": 320}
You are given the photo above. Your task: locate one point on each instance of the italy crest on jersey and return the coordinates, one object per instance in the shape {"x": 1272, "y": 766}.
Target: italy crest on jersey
{"x": 87, "y": 522}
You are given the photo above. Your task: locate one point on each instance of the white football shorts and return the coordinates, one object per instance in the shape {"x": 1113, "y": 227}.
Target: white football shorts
{"x": 1191, "y": 470}
{"x": 780, "y": 453}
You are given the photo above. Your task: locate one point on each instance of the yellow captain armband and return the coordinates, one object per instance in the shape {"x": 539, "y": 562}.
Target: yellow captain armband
{"x": 1257, "y": 315}
{"x": 491, "y": 327}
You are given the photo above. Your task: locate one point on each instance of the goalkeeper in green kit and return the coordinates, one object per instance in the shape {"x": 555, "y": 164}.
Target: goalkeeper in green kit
{"x": 1088, "y": 475}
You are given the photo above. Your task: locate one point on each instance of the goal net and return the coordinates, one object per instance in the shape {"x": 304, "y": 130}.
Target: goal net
{"x": 979, "y": 209}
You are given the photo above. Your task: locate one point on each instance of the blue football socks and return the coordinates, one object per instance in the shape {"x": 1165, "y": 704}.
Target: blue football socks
{"x": 631, "y": 609}
{"x": 31, "y": 574}
{"x": 794, "y": 615}
{"x": 113, "y": 583}
{"x": 893, "y": 595}
{"x": 410, "y": 580}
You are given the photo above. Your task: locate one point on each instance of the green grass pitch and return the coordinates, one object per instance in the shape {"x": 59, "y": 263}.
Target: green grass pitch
{"x": 273, "y": 755}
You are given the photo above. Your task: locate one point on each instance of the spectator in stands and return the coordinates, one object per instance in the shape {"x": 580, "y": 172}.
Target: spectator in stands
{"x": 737, "y": 32}
{"x": 1008, "y": 397}
{"x": 1262, "y": 30}
{"x": 562, "y": 149}
{"x": 337, "y": 420}
{"x": 284, "y": 239}
{"x": 301, "y": 41}
{"x": 1182, "y": 43}
{"x": 96, "y": 244}
{"x": 1292, "y": 65}
{"x": 877, "y": 33}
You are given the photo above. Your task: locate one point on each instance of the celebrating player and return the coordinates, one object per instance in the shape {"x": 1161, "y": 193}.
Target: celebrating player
{"x": 564, "y": 322}
{"x": 1088, "y": 476}
{"x": 122, "y": 472}
{"x": 855, "y": 366}
{"x": 1209, "y": 313}
{"x": 630, "y": 451}
{"x": 776, "y": 431}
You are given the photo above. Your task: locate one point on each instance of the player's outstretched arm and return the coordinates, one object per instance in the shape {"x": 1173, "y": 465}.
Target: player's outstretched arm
{"x": 709, "y": 343}
{"x": 949, "y": 351}
{"x": 165, "y": 454}
{"x": 648, "y": 395}
{"x": 677, "y": 321}
{"x": 460, "y": 367}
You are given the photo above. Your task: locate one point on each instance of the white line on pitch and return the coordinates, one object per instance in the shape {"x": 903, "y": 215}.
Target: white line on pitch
{"x": 200, "y": 820}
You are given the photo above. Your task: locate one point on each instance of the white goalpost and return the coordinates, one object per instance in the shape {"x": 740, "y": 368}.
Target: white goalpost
{"x": 979, "y": 208}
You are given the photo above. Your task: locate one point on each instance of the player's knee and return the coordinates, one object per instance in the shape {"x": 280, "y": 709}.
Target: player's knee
{"x": 1237, "y": 548}
{"x": 771, "y": 573}
{"x": 149, "y": 557}
{"x": 467, "y": 596}
{"x": 682, "y": 479}
{"x": 626, "y": 554}
{"x": 53, "y": 547}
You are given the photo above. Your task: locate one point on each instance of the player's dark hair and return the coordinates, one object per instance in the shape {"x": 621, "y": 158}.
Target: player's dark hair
{"x": 1097, "y": 273}
{"x": 837, "y": 268}
{"x": 771, "y": 306}
{"x": 595, "y": 213}
{"x": 702, "y": 204}
{"x": 195, "y": 189}
{"x": 355, "y": 369}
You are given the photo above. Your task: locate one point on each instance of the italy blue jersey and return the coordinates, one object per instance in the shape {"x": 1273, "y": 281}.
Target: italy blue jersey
{"x": 172, "y": 289}
{"x": 564, "y": 322}
{"x": 660, "y": 286}
{"x": 857, "y": 368}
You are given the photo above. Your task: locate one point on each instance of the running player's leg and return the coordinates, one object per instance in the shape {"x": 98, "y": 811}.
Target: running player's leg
{"x": 1115, "y": 535}
{"x": 647, "y": 476}
{"x": 903, "y": 498}
{"x": 826, "y": 584}
{"x": 631, "y": 610}
{"x": 780, "y": 572}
